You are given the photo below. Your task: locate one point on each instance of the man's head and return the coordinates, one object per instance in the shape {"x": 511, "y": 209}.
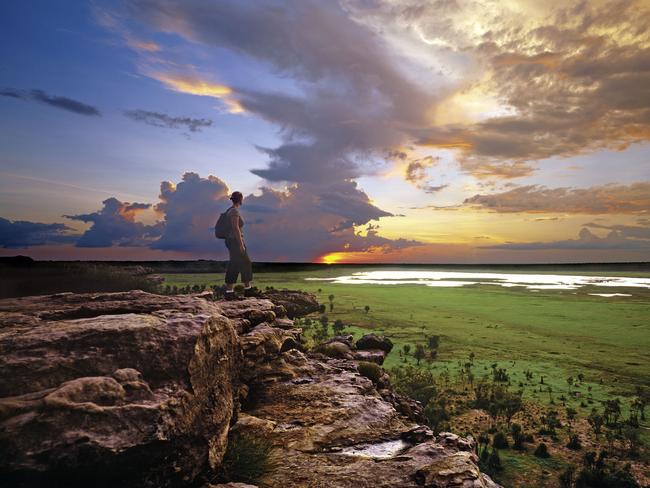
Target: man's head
{"x": 236, "y": 198}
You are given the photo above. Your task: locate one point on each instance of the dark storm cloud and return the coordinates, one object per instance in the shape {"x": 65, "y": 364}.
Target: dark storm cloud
{"x": 158, "y": 119}
{"x": 586, "y": 240}
{"x": 354, "y": 101}
{"x": 605, "y": 199}
{"x": 300, "y": 224}
{"x": 115, "y": 224}
{"x": 21, "y": 233}
{"x": 63, "y": 103}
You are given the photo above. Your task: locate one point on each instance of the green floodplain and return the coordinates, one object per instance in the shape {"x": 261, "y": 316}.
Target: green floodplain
{"x": 542, "y": 338}
{"x": 557, "y": 333}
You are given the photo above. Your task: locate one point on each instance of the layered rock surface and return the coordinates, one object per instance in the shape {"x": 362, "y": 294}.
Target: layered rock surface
{"x": 333, "y": 427}
{"x": 139, "y": 389}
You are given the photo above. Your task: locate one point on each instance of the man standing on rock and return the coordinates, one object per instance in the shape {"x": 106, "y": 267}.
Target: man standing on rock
{"x": 239, "y": 261}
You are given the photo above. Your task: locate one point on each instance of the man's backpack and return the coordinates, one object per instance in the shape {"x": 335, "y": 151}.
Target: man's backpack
{"x": 222, "y": 227}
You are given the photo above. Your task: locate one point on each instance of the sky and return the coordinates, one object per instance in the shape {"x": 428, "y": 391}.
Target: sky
{"x": 369, "y": 131}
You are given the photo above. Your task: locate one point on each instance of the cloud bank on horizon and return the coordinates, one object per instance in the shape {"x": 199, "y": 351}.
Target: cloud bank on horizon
{"x": 460, "y": 116}
{"x": 302, "y": 223}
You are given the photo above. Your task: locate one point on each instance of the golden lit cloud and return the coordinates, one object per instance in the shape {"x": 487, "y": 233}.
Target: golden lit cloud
{"x": 196, "y": 86}
{"x": 524, "y": 81}
{"x": 605, "y": 199}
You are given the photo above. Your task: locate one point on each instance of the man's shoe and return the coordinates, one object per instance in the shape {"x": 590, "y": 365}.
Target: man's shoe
{"x": 251, "y": 292}
{"x": 230, "y": 295}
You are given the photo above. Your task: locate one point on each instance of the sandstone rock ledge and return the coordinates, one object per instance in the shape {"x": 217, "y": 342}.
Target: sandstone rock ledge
{"x": 135, "y": 389}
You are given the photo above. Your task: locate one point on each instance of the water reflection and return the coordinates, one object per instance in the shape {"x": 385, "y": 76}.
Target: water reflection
{"x": 462, "y": 278}
{"x": 378, "y": 450}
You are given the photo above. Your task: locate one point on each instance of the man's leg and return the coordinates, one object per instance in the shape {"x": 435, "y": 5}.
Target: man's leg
{"x": 247, "y": 273}
{"x": 232, "y": 270}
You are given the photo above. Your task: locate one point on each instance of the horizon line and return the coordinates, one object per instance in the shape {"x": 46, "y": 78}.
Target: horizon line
{"x": 7, "y": 258}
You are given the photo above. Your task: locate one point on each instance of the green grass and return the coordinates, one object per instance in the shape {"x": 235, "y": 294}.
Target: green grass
{"x": 524, "y": 470}
{"x": 556, "y": 333}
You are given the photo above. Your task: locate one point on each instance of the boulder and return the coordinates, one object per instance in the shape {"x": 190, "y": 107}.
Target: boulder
{"x": 371, "y": 355}
{"x": 451, "y": 470}
{"x": 334, "y": 349}
{"x": 283, "y": 323}
{"x": 456, "y": 442}
{"x": 111, "y": 387}
{"x": 348, "y": 340}
{"x": 296, "y": 303}
{"x": 374, "y": 341}
{"x": 254, "y": 310}
{"x": 262, "y": 344}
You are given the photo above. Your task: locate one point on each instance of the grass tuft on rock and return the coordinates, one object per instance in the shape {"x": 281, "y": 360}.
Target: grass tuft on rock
{"x": 247, "y": 458}
{"x": 372, "y": 371}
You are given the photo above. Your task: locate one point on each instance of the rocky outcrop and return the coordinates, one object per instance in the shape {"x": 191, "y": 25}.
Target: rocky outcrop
{"x": 370, "y": 348}
{"x": 115, "y": 386}
{"x": 135, "y": 389}
{"x": 374, "y": 341}
{"x": 331, "y": 426}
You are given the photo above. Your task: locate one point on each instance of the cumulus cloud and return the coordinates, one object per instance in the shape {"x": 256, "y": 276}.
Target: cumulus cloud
{"x": 21, "y": 233}
{"x": 63, "y": 103}
{"x": 299, "y": 224}
{"x": 586, "y": 240}
{"x": 190, "y": 209}
{"x": 604, "y": 199}
{"x": 115, "y": 224}
{"x": 158, "y": 119}
{"x": 308, "y": 221}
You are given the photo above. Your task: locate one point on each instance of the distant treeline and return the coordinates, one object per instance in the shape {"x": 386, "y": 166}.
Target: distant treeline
{"x": 210, "y": 266}
{"x": 21, "y": 276}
